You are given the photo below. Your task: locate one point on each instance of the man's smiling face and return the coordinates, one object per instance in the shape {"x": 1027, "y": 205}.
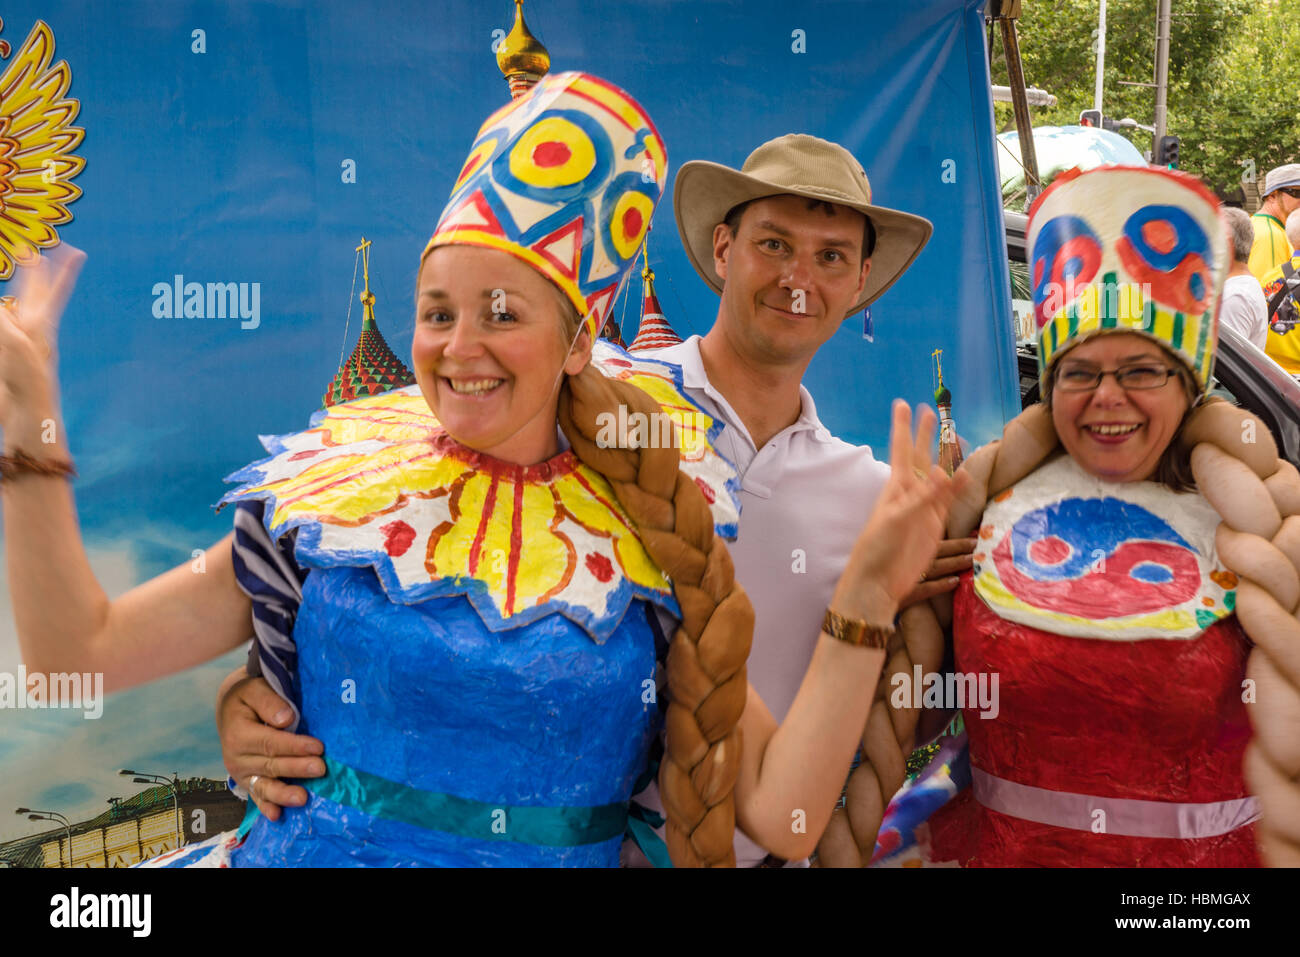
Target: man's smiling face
{"x": 791, "y": 272}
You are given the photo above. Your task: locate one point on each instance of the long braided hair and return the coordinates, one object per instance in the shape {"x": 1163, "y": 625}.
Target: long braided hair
{"x": 707, "y": 678}
{"x": 1235, "y": 463}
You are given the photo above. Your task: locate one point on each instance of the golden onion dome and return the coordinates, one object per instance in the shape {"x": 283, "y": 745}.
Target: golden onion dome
{"x": 521, "y": 52}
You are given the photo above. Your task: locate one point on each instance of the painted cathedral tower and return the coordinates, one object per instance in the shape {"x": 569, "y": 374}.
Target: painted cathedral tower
{"x": 949, "y": 447}
{"x": 373, "y": 367}
{"x": 654, "y": 332}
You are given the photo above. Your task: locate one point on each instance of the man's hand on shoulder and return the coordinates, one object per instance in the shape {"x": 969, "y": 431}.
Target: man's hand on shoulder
{"x": 249, "y": 716}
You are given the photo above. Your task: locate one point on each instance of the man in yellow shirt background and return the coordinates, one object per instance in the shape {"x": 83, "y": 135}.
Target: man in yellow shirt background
{"x": 1281, "y": 198}
{"x": 1284, "y": 348}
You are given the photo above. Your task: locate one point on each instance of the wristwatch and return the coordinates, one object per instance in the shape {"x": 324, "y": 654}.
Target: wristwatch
{"x": 854, "y": 631}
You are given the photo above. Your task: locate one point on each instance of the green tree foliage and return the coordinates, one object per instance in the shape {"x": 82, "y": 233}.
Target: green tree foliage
{"x": 1234, "y": 76}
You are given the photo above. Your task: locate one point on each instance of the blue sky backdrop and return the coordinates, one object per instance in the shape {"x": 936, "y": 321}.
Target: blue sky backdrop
{"x": 226, "y": 166}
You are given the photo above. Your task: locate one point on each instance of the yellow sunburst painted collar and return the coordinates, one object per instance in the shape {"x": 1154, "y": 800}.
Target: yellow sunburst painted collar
{"x": 378, "y": 481}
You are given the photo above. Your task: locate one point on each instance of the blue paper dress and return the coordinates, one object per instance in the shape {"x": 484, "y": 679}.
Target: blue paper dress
{"x": 476, "y": 643}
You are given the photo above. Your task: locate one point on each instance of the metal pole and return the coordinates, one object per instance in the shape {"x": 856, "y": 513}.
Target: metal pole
{"x": 180, "y": 836}
{"x": 1024, "y": 127}
{"x": 1101, "y": 57}
{"x": 1163, "y": 20}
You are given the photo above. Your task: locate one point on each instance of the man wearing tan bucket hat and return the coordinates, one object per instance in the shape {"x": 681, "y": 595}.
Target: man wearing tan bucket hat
{"x": 793, "y": 245}
{"x": 794, "y": 165}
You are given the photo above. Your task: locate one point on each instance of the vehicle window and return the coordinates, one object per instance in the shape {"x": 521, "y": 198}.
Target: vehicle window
{"x": 1217, "y": 388}
{"x": 1027, "y": 360}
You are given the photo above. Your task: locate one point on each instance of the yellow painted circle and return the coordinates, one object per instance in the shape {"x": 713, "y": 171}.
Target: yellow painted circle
{"x": 630, "y": 221}
{"x": 553, "y": 152}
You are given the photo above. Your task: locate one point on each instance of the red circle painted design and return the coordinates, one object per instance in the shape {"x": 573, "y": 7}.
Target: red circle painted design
{"x": 632, "y": 222}
{"x": 551, "y": 153}
{"x": 1049, "y": 551}
{"x": 1160, "y": 235}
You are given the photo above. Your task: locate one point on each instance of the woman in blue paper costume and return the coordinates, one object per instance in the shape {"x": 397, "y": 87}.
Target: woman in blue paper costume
{"x": 470, "y": 616}
{"x": 1118, "y": 587}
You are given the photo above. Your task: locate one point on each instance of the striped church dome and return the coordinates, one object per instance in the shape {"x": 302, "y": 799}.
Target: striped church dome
{"x": 373, "y": 367}
{"x": 654, "y": 331}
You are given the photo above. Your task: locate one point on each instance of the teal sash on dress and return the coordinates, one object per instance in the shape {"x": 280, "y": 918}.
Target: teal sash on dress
{"x": 545, "y": 826}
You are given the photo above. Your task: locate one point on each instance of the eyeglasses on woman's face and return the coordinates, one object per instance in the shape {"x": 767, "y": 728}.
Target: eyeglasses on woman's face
{"x": 1075, "y": 376}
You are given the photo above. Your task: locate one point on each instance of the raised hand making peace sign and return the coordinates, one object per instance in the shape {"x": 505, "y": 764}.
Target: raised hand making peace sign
{"x": 902, "y": 537}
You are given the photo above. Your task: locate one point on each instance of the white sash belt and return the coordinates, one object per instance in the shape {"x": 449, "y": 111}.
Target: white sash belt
{"x": 1131, "y": 818}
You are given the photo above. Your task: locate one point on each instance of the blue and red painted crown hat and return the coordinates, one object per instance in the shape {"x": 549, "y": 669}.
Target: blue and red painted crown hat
{"x": 566, "y": 179}
{"x": 1128, "y": 249}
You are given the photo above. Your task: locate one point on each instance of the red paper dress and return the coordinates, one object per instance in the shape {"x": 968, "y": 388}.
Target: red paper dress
{"x": 1118, "y": 728}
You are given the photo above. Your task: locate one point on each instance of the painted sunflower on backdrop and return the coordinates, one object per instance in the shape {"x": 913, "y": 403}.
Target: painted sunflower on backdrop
{"x": 37, "y": 140}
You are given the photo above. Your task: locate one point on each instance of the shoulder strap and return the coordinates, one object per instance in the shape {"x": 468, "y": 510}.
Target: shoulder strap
{"x": 1288, "y": 288}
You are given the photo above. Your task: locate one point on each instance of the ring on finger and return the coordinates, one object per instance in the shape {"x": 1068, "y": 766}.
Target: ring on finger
{"x": 919, "y": 472}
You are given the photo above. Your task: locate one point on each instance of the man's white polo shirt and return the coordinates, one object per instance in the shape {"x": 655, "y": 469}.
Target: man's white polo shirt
{"x": 805, "y": 496}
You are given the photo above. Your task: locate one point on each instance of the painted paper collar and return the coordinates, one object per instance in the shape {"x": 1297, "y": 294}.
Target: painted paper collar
{"x": 378, "y": 481}
{"x": 1071, "y": 554}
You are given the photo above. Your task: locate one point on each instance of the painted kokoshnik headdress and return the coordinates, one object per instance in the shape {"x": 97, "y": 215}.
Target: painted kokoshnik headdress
{"x": 566, "y": 179}
{"x": 1101, "y": 262}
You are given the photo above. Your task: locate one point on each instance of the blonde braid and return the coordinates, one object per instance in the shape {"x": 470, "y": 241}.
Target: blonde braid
{"x": 850, "y": 836}
{"x": 1237, "y": 469}
{"x": 888, "y": 739}
{"x": 1235, "y": 463}
{"x": 706, "y": 660}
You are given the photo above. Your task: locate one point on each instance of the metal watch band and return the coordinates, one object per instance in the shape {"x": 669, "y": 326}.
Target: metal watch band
{"x": 855, "y": 631}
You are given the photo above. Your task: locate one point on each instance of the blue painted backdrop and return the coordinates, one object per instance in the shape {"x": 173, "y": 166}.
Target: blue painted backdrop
{"x": 226, "y": 166}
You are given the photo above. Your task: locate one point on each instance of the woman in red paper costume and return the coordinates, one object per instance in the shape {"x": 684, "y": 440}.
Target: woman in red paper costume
{"x": 1131, "y": 603}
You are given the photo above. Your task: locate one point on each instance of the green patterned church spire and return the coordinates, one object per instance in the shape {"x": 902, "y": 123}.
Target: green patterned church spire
{"x": 372, "y": 368}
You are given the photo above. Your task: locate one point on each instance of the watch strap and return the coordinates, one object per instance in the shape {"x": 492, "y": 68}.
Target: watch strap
{"x": 855, "y": 631}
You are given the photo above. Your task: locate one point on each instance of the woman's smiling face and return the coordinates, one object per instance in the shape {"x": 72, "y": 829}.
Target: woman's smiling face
{"x": 1113, "y": 433}
{"x": 488, "y": 351}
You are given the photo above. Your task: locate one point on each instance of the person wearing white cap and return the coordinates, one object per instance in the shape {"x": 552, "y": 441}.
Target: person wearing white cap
{"x": 1281, "y": 199}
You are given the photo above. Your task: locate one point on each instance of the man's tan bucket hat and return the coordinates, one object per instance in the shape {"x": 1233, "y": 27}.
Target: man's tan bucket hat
{"x": 805, "y": 166}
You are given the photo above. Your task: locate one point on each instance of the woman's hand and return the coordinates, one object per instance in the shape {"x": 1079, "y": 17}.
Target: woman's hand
{"x": 902, "y": 536}
{"x": 29, "y": 329}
